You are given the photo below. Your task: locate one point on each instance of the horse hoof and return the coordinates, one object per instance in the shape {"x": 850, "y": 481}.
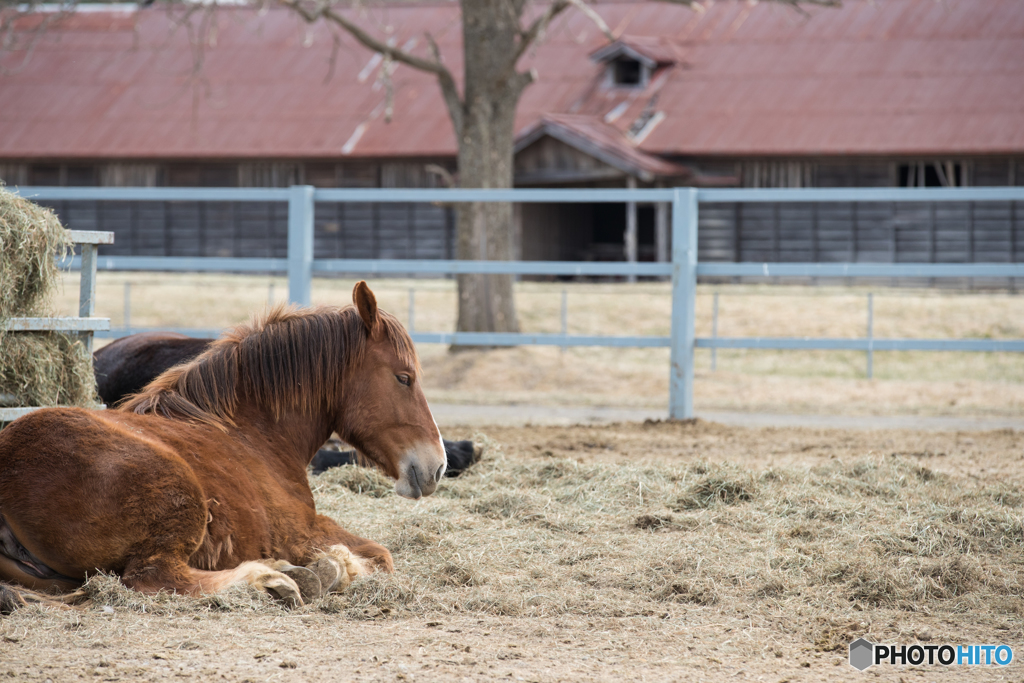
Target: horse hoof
{"x": 310, "y": 585}
{"x": 328, "y": 571}
{"x": 10, "y": 600}
{"x": 283, "y": 589}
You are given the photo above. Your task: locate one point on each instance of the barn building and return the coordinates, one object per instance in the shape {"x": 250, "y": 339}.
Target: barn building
{"x": 910, "y": 93}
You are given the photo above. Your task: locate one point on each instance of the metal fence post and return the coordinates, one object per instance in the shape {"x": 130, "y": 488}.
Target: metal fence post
{"x": 684, "y": 299}
{"x": 871, "y": 335}
{"x": 87, "y": 290}
{"x": 412, "y": 310}
{"x": 127, "y": 322}
{"x": 300, "y": 243}
{"x": 714, "y": 334}
{"x": 565, "y": 315}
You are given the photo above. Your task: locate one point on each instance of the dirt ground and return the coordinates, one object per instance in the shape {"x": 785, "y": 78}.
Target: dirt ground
{"x": 648, "y": 552}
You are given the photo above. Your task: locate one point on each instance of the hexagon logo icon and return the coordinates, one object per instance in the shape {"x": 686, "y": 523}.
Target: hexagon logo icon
{"x": 862, "y": 654}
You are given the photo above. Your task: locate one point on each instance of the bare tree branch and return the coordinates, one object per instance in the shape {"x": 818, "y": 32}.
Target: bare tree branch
{"x": 449, "y": 90}
{"x": 536, "y": 30}
{"x": 390, "y": 51}
{"x": 13, "y": 13}
{"x": 446, "y": 177}
{"x": 589, "y": 13}
{"x": 521, "y": 79}
{"x": 333, "y": 62}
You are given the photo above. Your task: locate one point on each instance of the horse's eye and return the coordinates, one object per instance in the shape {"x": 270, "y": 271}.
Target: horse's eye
{"x": 404, "y": 379}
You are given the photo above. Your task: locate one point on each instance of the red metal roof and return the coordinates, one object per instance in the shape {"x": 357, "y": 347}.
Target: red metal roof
{"x": 883, "y": 77}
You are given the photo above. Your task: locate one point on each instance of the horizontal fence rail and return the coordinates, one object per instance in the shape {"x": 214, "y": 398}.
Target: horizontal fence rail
{"x": 683, "y": 269}
{"x": 881, "y": 270}
{"x": 537, "y": 196}
{"x": 869, "y": 344}
{"x": 189, "y": 264}
{"x": 450, "y": 267}
{"x": 216, "y": 264}
{"x": 55, "y": 324}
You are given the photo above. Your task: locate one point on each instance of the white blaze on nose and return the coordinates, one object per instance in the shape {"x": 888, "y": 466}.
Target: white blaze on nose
{"x": 444, "y": 451}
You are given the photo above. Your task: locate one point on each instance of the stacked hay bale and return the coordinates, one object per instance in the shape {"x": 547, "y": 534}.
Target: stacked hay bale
{"x": 36, "y": 368}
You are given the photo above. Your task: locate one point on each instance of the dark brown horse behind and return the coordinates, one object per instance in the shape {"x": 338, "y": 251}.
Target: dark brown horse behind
{"x": 199, "y": 482}
{"x": 126, "y": 365}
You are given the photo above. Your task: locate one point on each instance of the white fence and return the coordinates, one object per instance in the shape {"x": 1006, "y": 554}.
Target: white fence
{"x": 683, "y": 268}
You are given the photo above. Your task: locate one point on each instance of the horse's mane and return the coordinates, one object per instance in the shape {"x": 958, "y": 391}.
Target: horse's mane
{"x": 287, "y": 359}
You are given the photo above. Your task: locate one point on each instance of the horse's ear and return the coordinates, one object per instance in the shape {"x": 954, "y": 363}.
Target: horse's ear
{"x": 366, "y": 304}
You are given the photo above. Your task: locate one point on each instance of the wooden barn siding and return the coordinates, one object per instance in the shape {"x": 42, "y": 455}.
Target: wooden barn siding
{"x": 871, "y": 232}
{"x": 260, "y": 229}
{"x": 883, "y": 232}
{"x": 863, "y": 232}
{"x": 420, "y": 231}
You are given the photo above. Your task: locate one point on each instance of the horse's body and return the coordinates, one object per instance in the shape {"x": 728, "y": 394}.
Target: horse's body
{"x": 200, "y": 481}
{"x": 126, "y": 365}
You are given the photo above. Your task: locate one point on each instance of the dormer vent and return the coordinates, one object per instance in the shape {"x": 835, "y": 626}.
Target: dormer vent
{"x": 631, "y": 61}
{"x": 627, "y": 72}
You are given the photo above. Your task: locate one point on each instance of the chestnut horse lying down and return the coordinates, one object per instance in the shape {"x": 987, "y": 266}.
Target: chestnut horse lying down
{"x": 199, "y": 482}
{"x": 126, "y": 365}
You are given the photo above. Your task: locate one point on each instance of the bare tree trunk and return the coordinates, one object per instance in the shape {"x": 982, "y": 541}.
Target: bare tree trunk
{"x": 492, "y": 90}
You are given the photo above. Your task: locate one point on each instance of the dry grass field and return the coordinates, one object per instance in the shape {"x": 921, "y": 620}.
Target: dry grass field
{"x": 654, "y": 552}
{"x": 912, "y": 383}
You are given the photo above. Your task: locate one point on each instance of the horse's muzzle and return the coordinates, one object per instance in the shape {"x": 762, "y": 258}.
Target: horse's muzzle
{"x": 421, "y": 470}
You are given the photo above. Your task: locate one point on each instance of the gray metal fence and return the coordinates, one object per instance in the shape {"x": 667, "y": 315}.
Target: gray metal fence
{"x": 683, "y": 268}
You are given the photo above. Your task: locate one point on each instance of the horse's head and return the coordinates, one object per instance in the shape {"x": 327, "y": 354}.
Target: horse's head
{"x": 383, "y": 411}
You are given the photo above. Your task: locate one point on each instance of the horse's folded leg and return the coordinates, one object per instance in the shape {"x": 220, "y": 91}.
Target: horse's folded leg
{"x": 193, "y": 581}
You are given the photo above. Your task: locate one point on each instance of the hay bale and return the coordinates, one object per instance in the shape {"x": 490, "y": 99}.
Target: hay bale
{"x": 36, "y": 368}
{"x": 30, "y": 237}
{"x": 45, "y": 369}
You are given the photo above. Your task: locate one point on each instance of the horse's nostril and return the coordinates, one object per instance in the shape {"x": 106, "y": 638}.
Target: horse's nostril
{"x": 438, "y": 474}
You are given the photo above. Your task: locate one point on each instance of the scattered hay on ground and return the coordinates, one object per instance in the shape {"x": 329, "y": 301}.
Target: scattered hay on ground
{"x": 536, "y": 535}
{"x": 105, "y": 592}
{"x": 718, "y": 487}
{"x": 359, "y": 480}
